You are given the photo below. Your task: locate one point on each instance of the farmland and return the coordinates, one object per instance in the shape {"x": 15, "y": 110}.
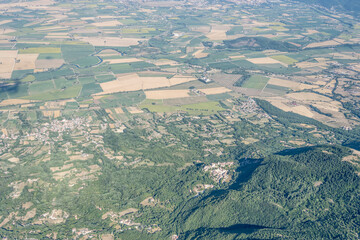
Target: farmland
{"x": 256, "y": 81}
{"x": 178, "y": 120}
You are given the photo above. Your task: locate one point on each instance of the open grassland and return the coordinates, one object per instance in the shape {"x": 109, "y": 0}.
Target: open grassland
{"x": 256, "y": 81}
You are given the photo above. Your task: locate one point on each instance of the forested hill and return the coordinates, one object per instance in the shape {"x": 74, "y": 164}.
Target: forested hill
{"x": 305, "y": 193}
{"x": 348, "y": 5}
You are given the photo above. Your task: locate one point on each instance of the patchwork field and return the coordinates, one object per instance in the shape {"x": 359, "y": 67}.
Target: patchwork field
{"x": 218, "y": 32}
{"x": 256, "y": 81}
{"x": 111, "y": 41}
{"x": 134, "y": 82}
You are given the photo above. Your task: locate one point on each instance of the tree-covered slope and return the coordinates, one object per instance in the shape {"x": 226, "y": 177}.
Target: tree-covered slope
{"x": 307, "y": 193}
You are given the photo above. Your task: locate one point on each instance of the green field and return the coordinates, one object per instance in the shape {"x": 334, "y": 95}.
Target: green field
{"x": 50, "y": 56}
{"x": 20, "y": 91}
{"x": 28, "y": 78}
{"x": 85, "y": 80}
{"x": 62, "y": 83}
{"x": 104, "y": 78}
{"x": 40, "y": 87}
{"x": 205, "y": 108}
{"x": 256, "y": 81}
{"x": 90, "y": 88}
{"x": 40, "y": 50}
{"x": 284, "y": 59}
{"x": 69, "y": 92}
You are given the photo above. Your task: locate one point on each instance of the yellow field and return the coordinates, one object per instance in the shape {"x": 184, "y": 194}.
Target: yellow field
{"x": 210, "y": 91}
{"x": 308, "y": 96}
{"x": 311, "y": 65}
{"x": 118, "y": 110}
{"x": 52, "y": 28}
{"x": 290, "y": 84}
{"x": 8, "y": 53}
{"x": 7, "y": 63}
{"x": 133, "y": 82}
{"x": 108, "y": 52}
{"x": 5, "y": 22}
{"x": 134, "y": 110}
{"x": 310, "y": 31}
{"x": 299, "y": 109}
{"x": 165, "y": 62}
{"x": 200, "y": 54}
{"x": 107, "y": 24}
{"x": 122, "y": 60}
{"x": 237, "y": 57}
{"x": 265, "y": 60}
{"x": 346, "y": 55}
{"x": 40, "y": 50}
{"x": 154, "y": 82}
{"x": 111, "y": 41}
{"x": 218, "y": 32}
{"x": 9, "y": 102}
{"x": 57, "y": 36}
{"x": 52, "y": 114}
{"x": 202, "y": 28}
{"x": 167, "y": 94}
{"x": 178, "y": 79}
{"x": 323, "y": 44}
{"x": 25, "y": 61}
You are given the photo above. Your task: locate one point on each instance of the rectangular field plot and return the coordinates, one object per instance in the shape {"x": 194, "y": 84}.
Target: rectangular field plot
{"x": 256, "y": 81}
{"x": 40, "y": 50}
{"x": 284, "y": 59}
